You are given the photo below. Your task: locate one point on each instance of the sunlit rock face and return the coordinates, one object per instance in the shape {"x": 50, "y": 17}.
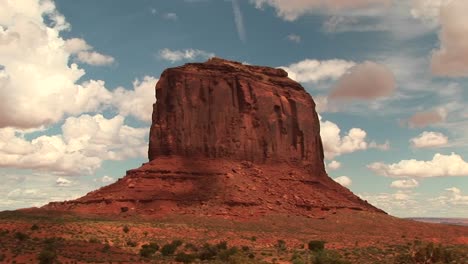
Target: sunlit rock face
{"x": 224, "y": 109}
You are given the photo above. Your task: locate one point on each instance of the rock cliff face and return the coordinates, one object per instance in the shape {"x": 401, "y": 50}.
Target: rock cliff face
{"x": 227, "y": 139}
{"x": 223, "y": 109}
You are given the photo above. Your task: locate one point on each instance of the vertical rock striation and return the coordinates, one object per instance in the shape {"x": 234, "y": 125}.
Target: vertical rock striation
{"x": 224, "y": 109}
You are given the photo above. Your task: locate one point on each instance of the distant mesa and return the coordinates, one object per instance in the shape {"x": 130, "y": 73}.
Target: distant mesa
{"x": 231, "y": 140}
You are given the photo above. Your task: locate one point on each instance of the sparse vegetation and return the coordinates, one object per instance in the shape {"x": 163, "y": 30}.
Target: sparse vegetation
{"x": 419, "y": 252}
{"x": 131, "y": 243}
{"x": 316, "y": 245}
{"x": 126, "y": 229}
{"x": 170, "y": 249}
{"x": 185, "y": 258}
{"x": 47, "y": 256}
{"x": 21, "y": 236}
{"x": 34, "y": 227}
{"x": 148, "y": 250}
{"x": 95, "y": 241}
{"x": 281, "y": 245}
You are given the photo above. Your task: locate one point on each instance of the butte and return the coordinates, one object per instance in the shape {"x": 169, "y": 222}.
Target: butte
{"x": 231, "y": 140}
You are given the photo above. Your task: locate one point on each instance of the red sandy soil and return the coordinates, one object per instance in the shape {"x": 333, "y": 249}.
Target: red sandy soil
{"x": 346, "y": 230}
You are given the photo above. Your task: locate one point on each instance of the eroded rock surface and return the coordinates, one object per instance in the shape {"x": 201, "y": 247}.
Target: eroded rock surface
{"x": 224, "y": 109}
{"x": 227, "y": 139}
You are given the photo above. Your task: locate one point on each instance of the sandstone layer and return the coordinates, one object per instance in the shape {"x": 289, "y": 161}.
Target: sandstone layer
{"x": 227, "y": 139}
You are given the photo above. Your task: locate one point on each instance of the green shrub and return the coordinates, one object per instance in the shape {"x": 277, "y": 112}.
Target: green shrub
{"x": 316, "y": 245}
{"x": 185, "y": 258}
{"x": 148, "y": 250}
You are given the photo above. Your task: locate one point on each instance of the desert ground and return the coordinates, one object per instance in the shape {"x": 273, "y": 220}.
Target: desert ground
{"x": 346, "y": 237}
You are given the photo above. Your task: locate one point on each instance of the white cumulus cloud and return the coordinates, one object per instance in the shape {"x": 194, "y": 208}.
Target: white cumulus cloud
{"x": 62, "y": 182}
{"x": 94, "y": 58}
{"x": 428, "y": 139}
{"x": 405, "y": 184}
{"x": 107, "y": 179}
{"x": 309, "y": 70}
{"x": 84, "y": 143}
{"x": 334, "y": 144}
{"x": 440, "y": 166}
{"x": 344, "y": 181}
{"x": 38, "y": 85}
{"x": 137, "y": 102}
{"x": 334, "y": 165}
{"x": 187, "y": 54}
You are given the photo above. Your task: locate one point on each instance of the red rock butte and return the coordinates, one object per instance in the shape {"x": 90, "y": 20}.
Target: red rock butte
{"x": 227, "y": 139}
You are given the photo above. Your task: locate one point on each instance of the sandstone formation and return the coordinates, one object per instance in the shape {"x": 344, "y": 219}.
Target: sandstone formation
{"x": 223, "y": 109}
{"x": 227, "y": 139}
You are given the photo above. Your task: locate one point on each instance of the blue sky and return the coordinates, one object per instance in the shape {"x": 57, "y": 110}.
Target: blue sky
{"x": 389, "y": 78}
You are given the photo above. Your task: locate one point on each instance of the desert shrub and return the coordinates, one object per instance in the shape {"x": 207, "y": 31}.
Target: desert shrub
{"x": 208, "y": 252}
{"x": 131, "y": 243}
{"x": 328, "y": 257}
{"x": 170, "y": 249}
{"x": 225, "y": 254}
{"x": 419, "y": 252}
{"x": 126, "y": 229}
{"x": 245, "y": 248}
{"x": 106, "y": 248}
{"x": 47, "y": 256}
{"x": 148, "y": 250}
{"x": 34, "y": 227}
{"x": 190, "y": 246}
{"x": 2, "y": 257}
{"x": 316, "y": 245}
{"x": 222, "y": 245}
{"x": 21, "y": 236}
{"x": 93, "y": 240}
{"x": 185, "y": 258}
{"x": 177, "y": 243}
{"x": 281, "y": 245}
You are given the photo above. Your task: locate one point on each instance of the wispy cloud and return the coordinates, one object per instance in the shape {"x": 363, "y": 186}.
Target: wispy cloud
{"x": 239, "y": 20}
{"x": 294, "y": 38}
{"x": 171, "y": 16}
